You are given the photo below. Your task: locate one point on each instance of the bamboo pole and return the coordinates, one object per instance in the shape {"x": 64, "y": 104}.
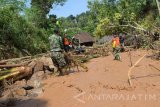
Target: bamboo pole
{"x": 18, "y": 72}
{"x": 9, "y": 75}
{"x": 129, "y": 71}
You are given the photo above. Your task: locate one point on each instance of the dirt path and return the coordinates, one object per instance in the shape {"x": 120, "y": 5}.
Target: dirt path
{"x": 105, "y": 84}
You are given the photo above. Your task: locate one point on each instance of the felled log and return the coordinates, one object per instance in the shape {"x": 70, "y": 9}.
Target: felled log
{"x": 9, "y": 75}
{"x": 3, "y": 62}
{"x": 24, "y": 73}
{"x": 14, "y": 72}
{"x": 14, "y": 65}
{"x": 5, "y": 72}
{"x": 16, "y": 59}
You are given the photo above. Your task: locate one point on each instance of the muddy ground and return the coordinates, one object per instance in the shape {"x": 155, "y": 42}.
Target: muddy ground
{"x": 104, "y": 85}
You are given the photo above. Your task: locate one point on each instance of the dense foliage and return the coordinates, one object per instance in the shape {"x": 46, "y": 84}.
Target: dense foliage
{"x": 124, "y": 14}
{"x": 106, "y": 17}
{"x": 24, "y": 30}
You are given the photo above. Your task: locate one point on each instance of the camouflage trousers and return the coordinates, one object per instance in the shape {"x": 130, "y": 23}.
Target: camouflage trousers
{"x": 116, "y": 53}
{"x": 58, "y": 59}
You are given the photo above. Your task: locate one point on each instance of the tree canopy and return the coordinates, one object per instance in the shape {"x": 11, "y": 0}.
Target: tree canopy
{"x": 23, "y": 28}
{"x": 106, "y": 17}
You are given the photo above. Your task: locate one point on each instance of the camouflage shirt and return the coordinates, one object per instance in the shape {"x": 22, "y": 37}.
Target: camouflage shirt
{"x": 55, "y": 43}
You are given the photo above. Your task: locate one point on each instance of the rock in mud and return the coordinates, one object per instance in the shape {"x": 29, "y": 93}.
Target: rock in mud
{"x": 21, "y": 83}
{"x": 32, "y": 64}
{"x": 38, "y": 91}
{"x": 34, "y": 83}
{"x": 35, "y": 92}
{"x": 51, "y": 67}
{"x": 20, "y": 92}
{"x": 39, "y": 66}
{"x": 40, "y": 75}
{"x": 48, "y": 73}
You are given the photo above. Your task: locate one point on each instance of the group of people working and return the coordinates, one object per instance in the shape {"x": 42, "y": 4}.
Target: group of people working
{"x": 59, "y": 45}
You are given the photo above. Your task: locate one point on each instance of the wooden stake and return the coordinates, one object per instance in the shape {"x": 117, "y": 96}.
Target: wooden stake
{"x": 129, "y": 71}
{"x": 130, "y": 58}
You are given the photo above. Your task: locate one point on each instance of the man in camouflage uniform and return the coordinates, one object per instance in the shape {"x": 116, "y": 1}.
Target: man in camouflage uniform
{"x": 57, "y": 55}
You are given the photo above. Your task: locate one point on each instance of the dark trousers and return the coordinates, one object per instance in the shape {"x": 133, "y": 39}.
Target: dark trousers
{"x": 66, "y": 48}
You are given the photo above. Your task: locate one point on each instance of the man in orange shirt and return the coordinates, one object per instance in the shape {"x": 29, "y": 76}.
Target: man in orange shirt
{"x": 66, "y": 43}
{"x": 116, "y": 47}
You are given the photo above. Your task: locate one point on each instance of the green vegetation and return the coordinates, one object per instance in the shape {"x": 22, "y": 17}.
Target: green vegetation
{"x": 25, "y": 30}
{"x": 106, "y": 17}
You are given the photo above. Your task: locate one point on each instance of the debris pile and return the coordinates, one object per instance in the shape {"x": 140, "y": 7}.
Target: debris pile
{"x": 156, "y": 55}
{"x": 156, "y": 50}
{"x": 98, "y": 50}
{"x": 94, "y": 52}
{"x": 23, "y": 80}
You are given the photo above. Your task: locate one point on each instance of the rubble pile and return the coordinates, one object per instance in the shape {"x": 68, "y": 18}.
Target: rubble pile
{"x": 98, "y": 50}
{"x": 25, "y": 81}
{"x": 94, "y": 52}
{"x": 22, "y": 78}
{"x": 156, "y": 50}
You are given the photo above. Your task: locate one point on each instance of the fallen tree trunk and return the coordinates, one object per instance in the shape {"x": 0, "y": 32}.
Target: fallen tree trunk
{"x": 9, "y": 75}
{"x": 16, "y": 73}
{"x": 3, "y": 62}
{"x": 16, "y": 59}
{"x": 14, "y": 65}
